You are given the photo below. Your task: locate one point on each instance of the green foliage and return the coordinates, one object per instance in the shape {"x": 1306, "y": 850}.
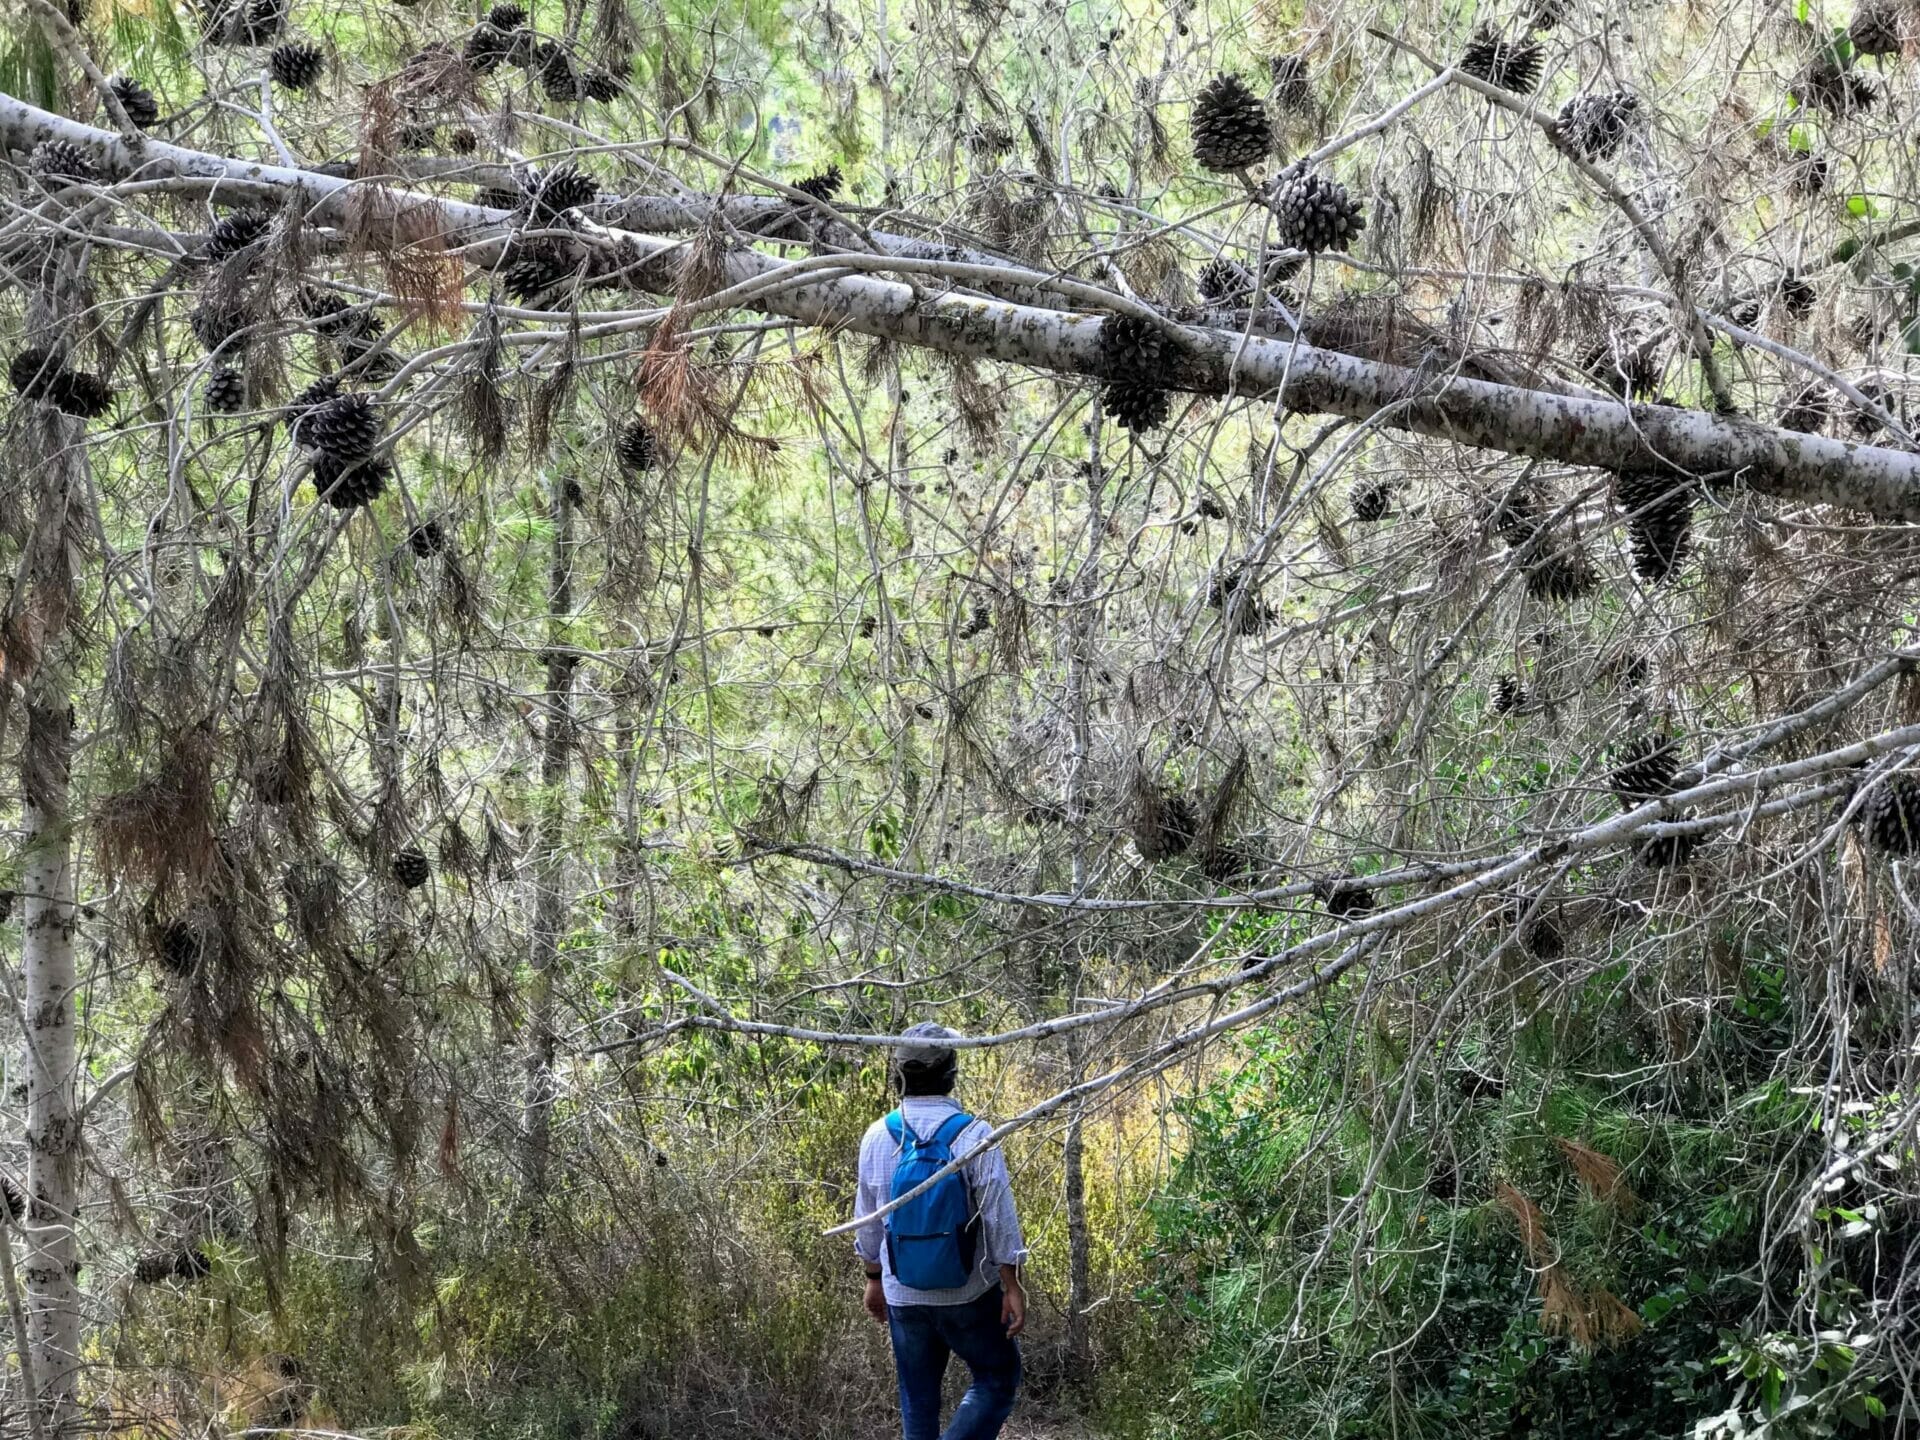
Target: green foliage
{"x": 1327, "y": 1272}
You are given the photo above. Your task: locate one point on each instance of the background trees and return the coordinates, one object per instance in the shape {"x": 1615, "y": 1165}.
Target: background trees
{"x": 574, "y": 571}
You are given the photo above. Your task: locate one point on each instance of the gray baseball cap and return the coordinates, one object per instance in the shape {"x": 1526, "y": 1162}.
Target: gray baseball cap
{"x": 926, "y": 1049}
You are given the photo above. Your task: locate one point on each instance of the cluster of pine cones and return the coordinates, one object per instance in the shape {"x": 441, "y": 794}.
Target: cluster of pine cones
{"x": 340, "y": 431}
{"x": 1659, "y": 520}
{"x": 1135, "y": 356}
{"x": 503, "y": 38}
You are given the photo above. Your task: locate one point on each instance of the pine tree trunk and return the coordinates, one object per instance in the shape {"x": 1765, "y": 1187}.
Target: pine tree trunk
{"x": 46, "y": 951}
{"x": 1073, "y": 1176}
{"x": 1079, "y": 1253}
{"x": 549, "y": 869}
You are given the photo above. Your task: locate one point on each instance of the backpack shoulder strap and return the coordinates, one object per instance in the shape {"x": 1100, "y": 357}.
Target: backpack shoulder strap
{"x": 951, "y": 1127}
{"x": 896, "y": 1124}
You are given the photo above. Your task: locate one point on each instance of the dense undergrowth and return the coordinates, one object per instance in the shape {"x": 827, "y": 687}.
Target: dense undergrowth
{"x": 1541, "y": 1232}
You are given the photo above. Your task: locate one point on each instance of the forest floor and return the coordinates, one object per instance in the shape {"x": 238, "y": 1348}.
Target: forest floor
{"x": 1045, "y": 1428}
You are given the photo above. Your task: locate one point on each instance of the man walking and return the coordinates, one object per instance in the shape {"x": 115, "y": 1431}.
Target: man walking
{"x": 943, "y": 1270}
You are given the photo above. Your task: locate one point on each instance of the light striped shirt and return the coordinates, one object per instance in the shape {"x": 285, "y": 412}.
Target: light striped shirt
{"x": 986, "y": 1176}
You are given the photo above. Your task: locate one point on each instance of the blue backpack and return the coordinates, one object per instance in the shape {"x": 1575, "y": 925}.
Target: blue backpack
{"x": 931, "y": 1239}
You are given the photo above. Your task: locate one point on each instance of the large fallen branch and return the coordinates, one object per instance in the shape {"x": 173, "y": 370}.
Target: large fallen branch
{"x": 1610, "y": 434}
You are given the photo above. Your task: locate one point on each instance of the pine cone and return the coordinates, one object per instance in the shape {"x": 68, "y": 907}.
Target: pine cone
{"x": 245, "y": 22}
{"x": 177, "y": 950}
{"x": 427, "y": 540}
{"x": 1629, "y": 370}
{"x": 152, "y": 1269}
{"x": 1231, "y": 864}
{"x": 1371, "y": 499}
{"x": 231, "y": 234}
{"x": 507, "y": 16}
{"x": 1344, "y": 898}
{"x": 1508, "y": 694}
{"x": 1133, "y": 350}
{"x": 1516, "y": 516}
{"x": 1824, "y": 83}
{"x": 1543, "y": 939}
{"x": 192, "y": 1264}
{"x": 1230, "y": 126}
{"x": 1807, "y": 409}
{"x": 1561, "y": 577}
{"x": 486, "y": 47}
{"x": 600, "y": 87}
{"x": 823, "y": 186}
{"x": 1875, "y": 29}
{"x": 1291, "y": 82}
{"x": 1546, "y": 14}
{"x": 344, "y": 427}
{"x": 1254, "y": 614}
{"x": 1666, "y": 851}
{"x": 1796, "y": 295}
{"x": 1595, "y": 126}
{"x": 357, "y": 338}
{"x": 1659, "y": 520}
{"x": 462, "y": 141}
{"x": 327, "y": 311}
{"x": 1512, "y": 65}
{"x": 1809, "y": 174}
{"x": 1863, "y": 422}
{"x": 1138, "y": 408}
{"x": 1164, "y": 825}
{"x": 35, "y": 372}
{"x": 536, "y": 269}
{"x": 60, "y": 160}
{"x": 553, "y": 192}
{"x": 346, "y": 482}
{"x": 979, "y": 620}
{"x": 226, "y": 392}
{"x": 326, "y": 388}
{"x": 216, "y": 321}
{"x": 636, "y": 447}
{"x": 411, "y": 868}
{"x": 1225, "y": 282}
{"x": 77, "y": 392}
{"x": 1314, "y": 211}
{"x": 417, "y": 135}
{"x": 296, "y": 66}
{"x": 15, "y": 1201}
{"x": 136, "y": 100}
{"x": 557, "y": 76}
{"x": 1891, "y": 814}
{"x": 1644, "y": 769}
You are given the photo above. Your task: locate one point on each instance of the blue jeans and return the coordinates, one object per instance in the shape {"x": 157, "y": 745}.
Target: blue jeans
{"x": 924, "y": 1336}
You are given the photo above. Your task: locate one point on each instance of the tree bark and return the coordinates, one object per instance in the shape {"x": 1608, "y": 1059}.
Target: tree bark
{"x": 1087, "y": 587}
{"x": 550, "y": 906}
{"x": 47, "y": 925}
{"x": 53, "y": 1123}
{"x": 1605, "y": 433}
{"x": 1079, "y": 1246}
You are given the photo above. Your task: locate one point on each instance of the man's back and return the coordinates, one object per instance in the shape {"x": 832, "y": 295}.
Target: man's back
{"x": 978, "y": 1320}
{"x": 986, "y": 1175}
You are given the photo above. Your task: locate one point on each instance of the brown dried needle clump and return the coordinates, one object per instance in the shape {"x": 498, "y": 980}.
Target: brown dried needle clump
{"x": 162, "y": 829}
